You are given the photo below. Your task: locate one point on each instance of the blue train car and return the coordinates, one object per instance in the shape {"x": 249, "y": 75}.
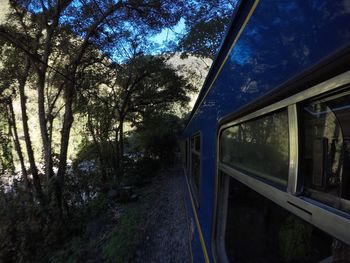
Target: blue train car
{"x": 268, "y": 141}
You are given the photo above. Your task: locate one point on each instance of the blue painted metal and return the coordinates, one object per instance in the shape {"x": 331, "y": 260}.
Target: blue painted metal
{"x": 281, "y": 40}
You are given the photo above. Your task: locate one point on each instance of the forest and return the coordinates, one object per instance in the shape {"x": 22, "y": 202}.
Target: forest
{"x": 91, "y": 103}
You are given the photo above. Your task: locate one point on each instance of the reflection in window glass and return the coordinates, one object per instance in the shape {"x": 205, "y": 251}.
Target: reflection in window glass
{"x": 196, "y": 169}
{"x": 258, "y": 230}
{"x": 281, "y": 40}
{"x": 326, "y": 129}
{"x": 195, "y": 163}
{"x": 259, "y": 147}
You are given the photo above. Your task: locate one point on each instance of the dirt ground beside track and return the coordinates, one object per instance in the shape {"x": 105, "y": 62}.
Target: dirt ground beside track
{"x": 167, "y": 238}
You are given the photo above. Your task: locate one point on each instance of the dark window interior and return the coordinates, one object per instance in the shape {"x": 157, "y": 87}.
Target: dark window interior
{"x": 258, "y": 230}
{"x": 197, "y": 143}
{"x": 186, "y": 154}
{"x": 326, "y": 150}
{"x": 195, "y": 163}
{"x": 196, "y": 169}
{"x": 259, "y": 147}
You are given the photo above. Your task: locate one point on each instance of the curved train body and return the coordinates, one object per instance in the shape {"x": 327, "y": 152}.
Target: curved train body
{"x": 267, "y": 146}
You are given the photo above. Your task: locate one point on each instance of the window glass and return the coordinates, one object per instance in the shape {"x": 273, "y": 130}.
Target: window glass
{"x": 195, "y": 164}
{"x": 259, "y": 147}
{"x": 258, "y": 230}
{"x": 197, "y": 143}
{"x": 326, "y": 150}
{"x": 186, "y": 155}
{"x": 196, "y": 170}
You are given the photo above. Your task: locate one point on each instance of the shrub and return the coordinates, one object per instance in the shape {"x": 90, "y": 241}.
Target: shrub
{"x": 121, "y": 246}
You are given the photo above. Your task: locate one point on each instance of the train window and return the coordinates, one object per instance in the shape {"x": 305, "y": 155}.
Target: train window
{"x": 195, "y": 169}
{"x": 259, "y": 147}
{"x": 258, "y": 230}
{"x": 197, "y": 143}
{"x": 195, "y": 163}
{"x": 326, "y": 150}
{"x": 186, "y": 155}
{"x": 192, "y": 143}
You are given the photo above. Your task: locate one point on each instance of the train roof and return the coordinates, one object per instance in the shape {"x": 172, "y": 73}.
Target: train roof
{"x": 333, "y": 64}
{"x": 239, "y": 16}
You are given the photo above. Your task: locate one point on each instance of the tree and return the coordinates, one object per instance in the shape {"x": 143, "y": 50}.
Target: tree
{"x": 142, "y": 84}
{"x": 158, "y": 135}
{"x": 47, "y": 31}
{"x": 78, "y": 57}
{"x": 14, "y": 74}
{"x": 147, "y": 82}
{"x": 6, "y": 157}
{"x": 206, "y": 23}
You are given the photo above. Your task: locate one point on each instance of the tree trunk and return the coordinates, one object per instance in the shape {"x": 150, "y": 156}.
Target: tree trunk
{"x": 98, "y": 148}
{"x": 43, "y": 126}
{"x": 121, "y": 146}
{"x": 65, "y": 134}
{"x": 7, "y": 156}
{"x": 30, "y": 153}
{"x": 117, "y": 154}
{"x": 15, "y": 138}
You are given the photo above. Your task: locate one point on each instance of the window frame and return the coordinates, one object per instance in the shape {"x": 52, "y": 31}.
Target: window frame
{"x": 326, "y": 98}
{"x": 187, "y": 150}
{"x": 273, "y": 180}
{"x": 326, "y": 218}
{"x": 195, "y": 191}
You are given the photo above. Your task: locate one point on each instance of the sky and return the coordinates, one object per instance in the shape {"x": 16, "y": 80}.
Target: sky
{"x": 170, "y": 34}
{"x": 161, "y": 40}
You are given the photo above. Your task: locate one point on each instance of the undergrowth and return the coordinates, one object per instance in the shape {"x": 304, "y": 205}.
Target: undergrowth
{"x": 125, "y": 237}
